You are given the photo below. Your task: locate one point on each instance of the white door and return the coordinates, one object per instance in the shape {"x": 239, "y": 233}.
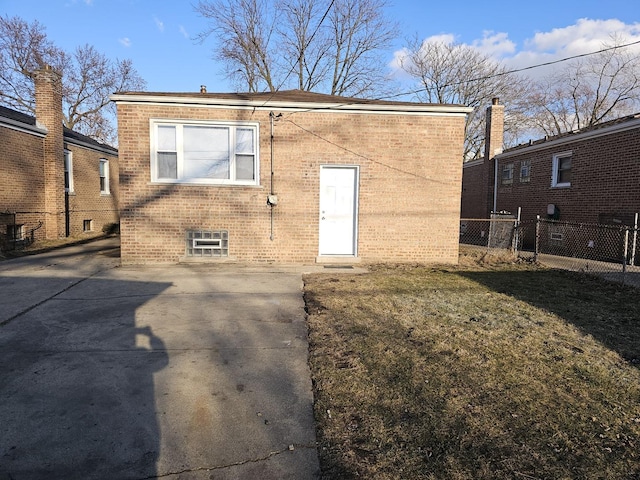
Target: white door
{"x": 338, "y": 210}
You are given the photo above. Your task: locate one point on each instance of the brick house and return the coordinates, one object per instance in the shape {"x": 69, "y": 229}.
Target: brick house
{"x": 55, "y": 182}
{"x": 587, "y": 176}
{"x": 287, "y": 177}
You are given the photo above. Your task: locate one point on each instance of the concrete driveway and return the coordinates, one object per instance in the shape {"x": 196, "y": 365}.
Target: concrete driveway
{"x": 186, "y": 371}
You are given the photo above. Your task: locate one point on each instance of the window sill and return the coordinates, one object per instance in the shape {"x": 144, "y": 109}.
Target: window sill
{"x": 204, "y": 184}
{"x": 561, "y": 185}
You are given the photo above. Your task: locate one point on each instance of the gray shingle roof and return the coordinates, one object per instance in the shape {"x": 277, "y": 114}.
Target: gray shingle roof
{"x": 71, "y": 135}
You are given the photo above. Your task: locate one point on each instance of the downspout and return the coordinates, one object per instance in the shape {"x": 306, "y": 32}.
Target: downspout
{"x": 271, "y": 188}
{"x": 495, "y": 185}
{"x": 272, "y": 199}
{"x": 67, "y": 214}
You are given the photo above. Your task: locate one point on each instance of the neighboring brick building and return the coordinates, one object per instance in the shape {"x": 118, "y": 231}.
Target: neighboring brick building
{"x": 587, "y": 176}
{"x": 38, "y": 156}
{"x": 288, "y": 177}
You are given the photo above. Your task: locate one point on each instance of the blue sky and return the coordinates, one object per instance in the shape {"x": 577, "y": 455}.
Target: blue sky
{"x": 157, "y": 35}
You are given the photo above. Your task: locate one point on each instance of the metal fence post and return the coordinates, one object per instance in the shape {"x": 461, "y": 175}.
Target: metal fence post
{"x": 625, "y": 252}
{"x": 634, "y": 243}
{"x": 536, "y": 249}
{"x": 516, "y": 231}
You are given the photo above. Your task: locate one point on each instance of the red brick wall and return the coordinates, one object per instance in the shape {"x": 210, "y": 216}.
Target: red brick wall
{"x": 474, "y": 196}
{"x": 605, "y": 179}
{"x": 409, "y": 199}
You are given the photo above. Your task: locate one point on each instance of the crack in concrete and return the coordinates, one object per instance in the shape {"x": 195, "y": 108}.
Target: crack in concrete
{"x": 235, "y": 464}
{"x": 36, "y": 305}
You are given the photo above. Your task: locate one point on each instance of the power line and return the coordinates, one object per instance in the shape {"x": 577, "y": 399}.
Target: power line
{"x": 487, "y": 77}
{"x": 369, "y": 159}
{"x": 326, "y": 13}
{"x": 517, "y": 70}
{"x": 417, "y": 91}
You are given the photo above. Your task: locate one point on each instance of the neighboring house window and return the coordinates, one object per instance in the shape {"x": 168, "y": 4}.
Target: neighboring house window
{"x": 68, "y": 171}
{"x": 525, "y": 171}
{"x": 15, "y": 232}
{"x": 104, "y": 176}
{"x": 507, "y": 174}
{"x": 213, "y": 153}
{"x": 561, "y": 174}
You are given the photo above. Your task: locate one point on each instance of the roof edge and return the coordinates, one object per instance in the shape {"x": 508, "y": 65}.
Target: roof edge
{"x": 571, "y": 138}
{"x": 106, "y": 149}
{"x": 23, "y": 127}
{"x": 347, "y": 106}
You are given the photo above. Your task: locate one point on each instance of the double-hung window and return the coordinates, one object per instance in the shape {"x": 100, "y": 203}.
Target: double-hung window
{"x": 507, "y": 174}
{"x": 525, "y": 171}
{"x": 203, "y": 152}
{"x": 68, "y": 172}
{"x": 104, "y": 176}
{"x": 561, "y": 174}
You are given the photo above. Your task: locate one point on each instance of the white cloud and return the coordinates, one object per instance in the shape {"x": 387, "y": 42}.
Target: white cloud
{"x": 184, "y": 32}
{"x": 159, "y": 23}
{"x": 495, "y": 44}
{"x": 441, "y": 38}
{"x": 125, "y": 42}
{"x": 585, "y": 36}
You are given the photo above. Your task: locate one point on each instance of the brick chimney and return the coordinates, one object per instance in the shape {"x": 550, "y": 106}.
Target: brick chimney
{"x": 493, "y": 145}
{"x": 48, "y": 92}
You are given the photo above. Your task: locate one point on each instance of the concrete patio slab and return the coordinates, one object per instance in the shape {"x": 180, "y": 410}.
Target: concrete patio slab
{"x": 186, "y": 371}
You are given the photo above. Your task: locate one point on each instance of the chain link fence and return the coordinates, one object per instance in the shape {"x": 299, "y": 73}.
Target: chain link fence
{"x": 610, "y": 251}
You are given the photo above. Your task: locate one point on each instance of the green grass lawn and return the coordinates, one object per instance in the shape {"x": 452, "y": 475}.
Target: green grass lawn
{"x": 489, "y": 370}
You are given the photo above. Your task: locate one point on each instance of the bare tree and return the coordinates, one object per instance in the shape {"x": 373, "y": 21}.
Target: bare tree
{"x": 330, "y": 46}
{"x": 587, "y": 92}
{"x": 89, "y": 81}
{"x": 460, "y": 74}
{"x": 244, "y": 29}
{"x": 88, "y": 78}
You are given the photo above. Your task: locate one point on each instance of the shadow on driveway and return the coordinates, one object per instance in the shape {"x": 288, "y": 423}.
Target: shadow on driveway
{"x": 77, "y": 396}
{"x": 188, "y": 371}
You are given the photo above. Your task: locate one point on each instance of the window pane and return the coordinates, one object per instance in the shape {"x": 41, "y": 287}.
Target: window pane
{"x": 206, "y": 152}
{"x": 167, "y": 138}
{"x": 564, "y": 170}
{"x": 102, "y": 171}
{"x": 167, "y": 165}
{"x": 564, "y": 176}
{"x": 244, "y": 140}
{"x": 207, "y": 168}
{"x": 245, "y": 167}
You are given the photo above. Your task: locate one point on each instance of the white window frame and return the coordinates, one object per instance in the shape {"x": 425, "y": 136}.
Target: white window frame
{"x": 180, "y": 124}
{"x": 68, "y": 171}
{"x": 105, "y": 190}
{"x": 555, "y": 169}
{"x": 525, "y": 166}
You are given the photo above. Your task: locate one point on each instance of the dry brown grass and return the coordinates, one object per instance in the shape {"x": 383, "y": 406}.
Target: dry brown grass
{"x": 492, "y": 369}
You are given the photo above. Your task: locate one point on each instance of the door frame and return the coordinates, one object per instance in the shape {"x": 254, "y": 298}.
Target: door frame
{"x": 356, "y": 207}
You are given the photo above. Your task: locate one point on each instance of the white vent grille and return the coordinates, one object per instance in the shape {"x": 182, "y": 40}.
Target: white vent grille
{"x": 207, "y": 243}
